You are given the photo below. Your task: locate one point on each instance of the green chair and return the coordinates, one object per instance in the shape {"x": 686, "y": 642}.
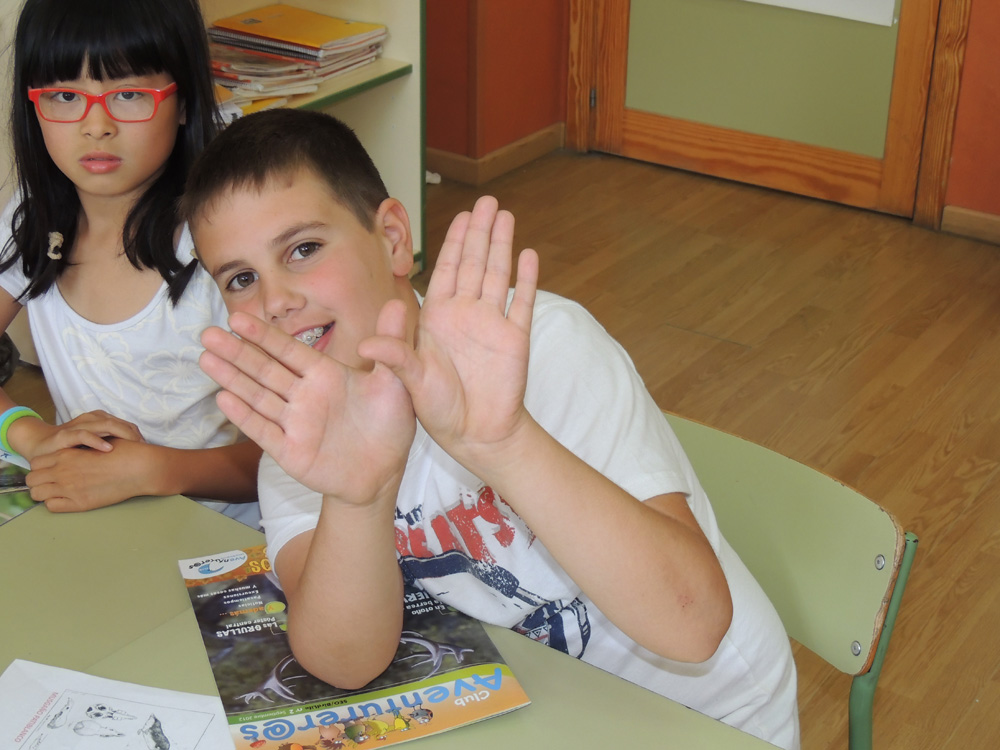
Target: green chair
{"x": 833, "y": 563}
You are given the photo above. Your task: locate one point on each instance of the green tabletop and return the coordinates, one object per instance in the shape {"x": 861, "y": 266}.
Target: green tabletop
{"x": 100, "y": 592}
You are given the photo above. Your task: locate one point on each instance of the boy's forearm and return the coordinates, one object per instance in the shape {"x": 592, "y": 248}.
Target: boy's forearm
{"x": 647, "y": 566}
{"x": 345, "y": 594}
{"x": 227, "y": 473}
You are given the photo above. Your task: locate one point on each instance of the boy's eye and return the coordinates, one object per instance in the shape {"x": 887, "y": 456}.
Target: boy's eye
{"x": 304, "y": 250}
{"x": 241, "y": 281}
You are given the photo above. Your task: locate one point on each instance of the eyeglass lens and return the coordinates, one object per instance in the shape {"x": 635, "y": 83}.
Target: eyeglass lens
{"x": 70, "y": 106}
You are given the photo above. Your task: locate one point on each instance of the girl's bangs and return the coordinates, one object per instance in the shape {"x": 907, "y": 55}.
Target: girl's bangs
{"x": 115, "y": 50}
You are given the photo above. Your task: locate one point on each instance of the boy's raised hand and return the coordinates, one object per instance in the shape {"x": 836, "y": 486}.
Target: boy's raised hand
{"x": 467, "y": 369}
{"x": 340, "y": 431}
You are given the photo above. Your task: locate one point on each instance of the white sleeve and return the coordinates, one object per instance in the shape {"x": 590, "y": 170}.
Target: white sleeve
{"x": 13, "y": 279}
{"x": 287, "y": 508}
{"x": 585, "y": 391}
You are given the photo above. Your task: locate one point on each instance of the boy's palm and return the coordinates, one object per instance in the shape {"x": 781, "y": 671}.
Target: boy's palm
{"x": 467, "y": 372}
{"x": 475, "y": 365}
{"x": 339, "y": 431}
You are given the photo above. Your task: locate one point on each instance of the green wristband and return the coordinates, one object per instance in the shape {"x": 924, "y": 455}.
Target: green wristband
{"x": 8, "y": 418}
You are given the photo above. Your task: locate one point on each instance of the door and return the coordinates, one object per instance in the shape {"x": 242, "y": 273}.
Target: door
{"x": 599, "y": 117}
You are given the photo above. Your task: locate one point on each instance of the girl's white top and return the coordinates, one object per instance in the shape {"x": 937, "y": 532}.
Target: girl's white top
{"x": 143, "y": 369}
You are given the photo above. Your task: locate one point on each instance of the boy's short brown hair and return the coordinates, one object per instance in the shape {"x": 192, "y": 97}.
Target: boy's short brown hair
{"x": 263, "y": 146}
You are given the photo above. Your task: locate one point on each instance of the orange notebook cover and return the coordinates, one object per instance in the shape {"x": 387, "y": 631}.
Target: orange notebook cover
{"x": 296, "y": 26}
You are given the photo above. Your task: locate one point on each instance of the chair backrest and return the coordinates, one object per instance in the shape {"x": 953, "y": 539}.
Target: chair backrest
{"x": 826, "y": 555}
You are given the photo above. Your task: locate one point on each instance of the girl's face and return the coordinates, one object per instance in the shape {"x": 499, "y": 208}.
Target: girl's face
{"x": 105, "y": 158}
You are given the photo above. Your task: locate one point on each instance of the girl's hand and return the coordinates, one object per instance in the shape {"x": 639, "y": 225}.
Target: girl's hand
{"x": 467, "y": 372}
{"x": 340, "y": 431}
{"x": 75, "y": 479}
{"x": 33, "y": 438}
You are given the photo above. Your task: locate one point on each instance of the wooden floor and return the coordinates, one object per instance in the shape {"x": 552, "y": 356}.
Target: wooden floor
{"x": 851, "y": 341}
{"x": 848, "y": 340}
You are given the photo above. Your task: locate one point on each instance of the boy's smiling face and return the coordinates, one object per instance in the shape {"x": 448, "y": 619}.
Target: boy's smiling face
{"x": 292, "y": 255}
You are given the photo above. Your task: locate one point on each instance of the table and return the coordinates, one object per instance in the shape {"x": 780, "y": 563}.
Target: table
{"x": 100, "y": 592}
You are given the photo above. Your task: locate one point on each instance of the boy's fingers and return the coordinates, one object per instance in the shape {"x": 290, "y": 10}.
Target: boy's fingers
{"x": 265, "y": 433}
{"x": 476, "y": 247}
{"x": 522, "y": 305}
{"x": 389, "y": 346}
{"x": 496, "y": 280}
{"x": 278, "y": 345}
{"x": 392, "y": 320}
{"x": 243, "y": 386}
{"x": 442, "y": 283}
{"x": 246, "y": 356}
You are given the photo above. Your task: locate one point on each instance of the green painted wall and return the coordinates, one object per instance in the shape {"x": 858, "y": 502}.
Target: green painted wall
{"x": 761, "y": 69}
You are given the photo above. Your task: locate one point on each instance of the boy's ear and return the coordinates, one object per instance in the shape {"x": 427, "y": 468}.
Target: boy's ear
{"x": 393, "y": 222}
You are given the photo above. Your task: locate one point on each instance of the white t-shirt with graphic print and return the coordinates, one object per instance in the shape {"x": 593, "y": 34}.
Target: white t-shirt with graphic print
{"x": 143, "y": 370}
{"x": 463, "y": 544}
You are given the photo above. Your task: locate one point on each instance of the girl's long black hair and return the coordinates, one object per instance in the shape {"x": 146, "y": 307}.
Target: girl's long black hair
{"x": 59, "y": 40}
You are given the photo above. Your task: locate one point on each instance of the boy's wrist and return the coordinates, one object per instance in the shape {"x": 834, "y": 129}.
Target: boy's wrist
{"x": 494, "y": 461}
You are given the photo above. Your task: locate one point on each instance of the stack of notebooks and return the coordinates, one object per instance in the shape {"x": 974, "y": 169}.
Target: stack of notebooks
{"x": 264, "y": 56}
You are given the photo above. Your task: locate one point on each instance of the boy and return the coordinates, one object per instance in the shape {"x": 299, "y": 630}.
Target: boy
{"x": 416, "y": 439}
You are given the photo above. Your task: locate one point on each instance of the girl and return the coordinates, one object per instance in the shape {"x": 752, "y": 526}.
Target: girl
{"x": 112, "y": 102}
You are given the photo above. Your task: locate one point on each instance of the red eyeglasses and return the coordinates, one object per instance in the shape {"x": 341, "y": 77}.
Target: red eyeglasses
{"x": 123, "y": 105}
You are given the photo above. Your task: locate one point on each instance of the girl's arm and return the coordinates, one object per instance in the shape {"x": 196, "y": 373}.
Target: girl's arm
{"x": 78, "y": 479}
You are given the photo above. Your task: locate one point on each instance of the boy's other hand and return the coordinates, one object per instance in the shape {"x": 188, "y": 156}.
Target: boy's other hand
{"x": 342, "y": 432}
{"x": 467, "y": 370}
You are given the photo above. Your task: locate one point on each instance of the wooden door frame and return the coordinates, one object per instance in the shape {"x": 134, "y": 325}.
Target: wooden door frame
{"x": 909, "y": 180}
{"x": 942, "y": 107}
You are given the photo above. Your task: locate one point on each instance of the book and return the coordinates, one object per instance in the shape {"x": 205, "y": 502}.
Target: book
{"x": 446, "y": 673}
{"x": 284, "y": 28}
{"x": 233, "y": 64}
{"x": 242, "y": 60}
{"x": 293, "y": 83}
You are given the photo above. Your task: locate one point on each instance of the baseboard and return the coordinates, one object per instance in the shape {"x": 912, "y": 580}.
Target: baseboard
{"x": 969, "y": 223}
{"x": 477, "y": 171}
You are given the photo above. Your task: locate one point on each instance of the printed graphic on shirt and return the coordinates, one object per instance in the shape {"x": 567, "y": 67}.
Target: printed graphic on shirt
{"x": 464, "y": 548}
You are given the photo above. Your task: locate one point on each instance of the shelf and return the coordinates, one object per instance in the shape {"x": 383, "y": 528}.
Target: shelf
{"x": 379, "y": 71}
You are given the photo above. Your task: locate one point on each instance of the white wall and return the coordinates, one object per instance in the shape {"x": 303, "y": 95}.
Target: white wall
{"x": 18, "y": 330}
{"x": 871, "y": 11}
{"x": 8, "y": 19}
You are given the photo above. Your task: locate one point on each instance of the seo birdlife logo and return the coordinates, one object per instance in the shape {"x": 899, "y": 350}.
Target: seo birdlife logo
{"x": 216, "y": 565}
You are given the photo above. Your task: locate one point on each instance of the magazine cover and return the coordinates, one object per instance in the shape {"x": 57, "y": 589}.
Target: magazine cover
{"x": 447, "y": 672}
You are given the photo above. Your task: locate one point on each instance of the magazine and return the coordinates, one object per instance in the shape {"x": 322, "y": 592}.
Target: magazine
{"x": 446, "y": 673}
{"x": 14, "y": 497}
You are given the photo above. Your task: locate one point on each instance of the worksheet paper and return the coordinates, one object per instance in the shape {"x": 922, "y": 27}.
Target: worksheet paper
{"x": 49, "y": 708}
